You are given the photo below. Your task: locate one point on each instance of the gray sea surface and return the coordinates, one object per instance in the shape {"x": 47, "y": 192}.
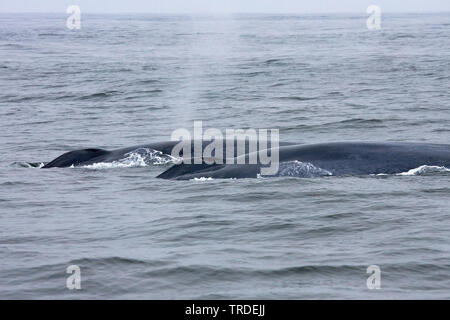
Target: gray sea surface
{"x": 123, "y": 80}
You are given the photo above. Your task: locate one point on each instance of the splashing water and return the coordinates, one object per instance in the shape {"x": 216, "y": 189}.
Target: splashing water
{"x": 37, "y": 165}
{"x": 425, "y": 170}
{"x": 202, "y": 179}
{"x": 301, "y": 169}
{"x": 141, "y": 157}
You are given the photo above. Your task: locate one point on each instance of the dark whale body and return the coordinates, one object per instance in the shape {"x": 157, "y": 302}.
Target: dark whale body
{"x": 90, "y": 156}
{"x": 348, "y": 158}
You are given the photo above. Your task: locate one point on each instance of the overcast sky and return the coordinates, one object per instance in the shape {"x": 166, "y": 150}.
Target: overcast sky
{"x": 224, "y": 6}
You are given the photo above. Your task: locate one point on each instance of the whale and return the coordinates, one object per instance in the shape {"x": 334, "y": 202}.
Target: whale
{"x": 325, "y": 159}
{"x": 90, "y": 156}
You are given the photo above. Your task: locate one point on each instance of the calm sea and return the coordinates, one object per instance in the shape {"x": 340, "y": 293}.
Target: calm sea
{"x": 123, "y": 80}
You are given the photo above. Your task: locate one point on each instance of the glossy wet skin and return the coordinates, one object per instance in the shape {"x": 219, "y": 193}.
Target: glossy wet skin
{"x": 338, "y": 158}
{"x": 90, "y": 156}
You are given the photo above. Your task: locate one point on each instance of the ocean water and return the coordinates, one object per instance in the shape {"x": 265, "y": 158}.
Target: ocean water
{"x": 124, "y": 80}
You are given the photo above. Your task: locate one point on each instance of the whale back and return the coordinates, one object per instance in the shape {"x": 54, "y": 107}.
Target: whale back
{"x": 74, "y": 158}
{"x": 348, "y": 158}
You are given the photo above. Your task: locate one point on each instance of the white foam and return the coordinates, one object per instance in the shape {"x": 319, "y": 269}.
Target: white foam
{"x": 203, "y": 179}
{"x": 424, "y": 170}
{"x": 301, "y": 169}
{"x": 138, "y": 158}
{"x": 30, "y": 165}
